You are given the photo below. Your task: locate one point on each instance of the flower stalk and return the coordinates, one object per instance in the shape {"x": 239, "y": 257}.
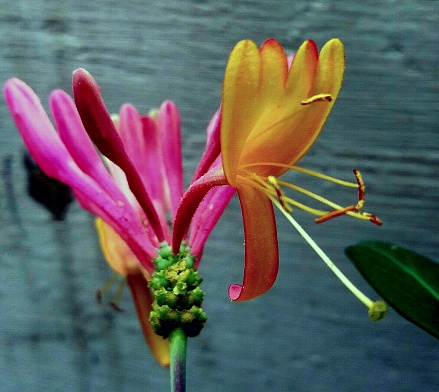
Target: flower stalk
{"x": 177, "y": 346}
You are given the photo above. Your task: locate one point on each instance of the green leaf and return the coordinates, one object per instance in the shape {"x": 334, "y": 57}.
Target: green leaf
{"x": 407, "y": 281}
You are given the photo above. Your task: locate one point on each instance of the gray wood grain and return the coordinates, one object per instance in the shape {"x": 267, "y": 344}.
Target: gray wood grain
{"x": 307, "y": 333}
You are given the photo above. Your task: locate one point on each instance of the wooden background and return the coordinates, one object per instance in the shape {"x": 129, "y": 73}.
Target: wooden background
{"x": 308, "y": 333}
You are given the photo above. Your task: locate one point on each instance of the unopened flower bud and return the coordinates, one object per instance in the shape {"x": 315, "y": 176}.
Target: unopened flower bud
{"x": 180, "y": 288}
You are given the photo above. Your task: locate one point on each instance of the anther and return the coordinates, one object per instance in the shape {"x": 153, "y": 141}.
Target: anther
{"x": 317, "y": 98}
{"x": 334, "y": 214}
{"x": 354, "y": 208}
{"x": 361, "y": 190}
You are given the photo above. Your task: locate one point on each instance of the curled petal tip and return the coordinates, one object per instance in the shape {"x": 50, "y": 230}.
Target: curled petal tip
{"x": 234, "y": 291}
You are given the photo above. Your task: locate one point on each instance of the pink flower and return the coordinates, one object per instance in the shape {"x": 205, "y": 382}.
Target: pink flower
{"x": 137, "y": 189}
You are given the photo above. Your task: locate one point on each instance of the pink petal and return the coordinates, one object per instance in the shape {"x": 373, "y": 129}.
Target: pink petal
{"x": 208, "y": 213}
{"x": 213, "y": 146}
{"x": 206, "y": 217}
{"x": 100, "y": 127}
{"x": 141, "y": 144}
{"x": 132, "y": 135}
{"x": 154, "y": 168}
{"x": 46, "y": 147}
{"x": 78, "y": 143}
{"x": 290, "y": 59}
{"x": 168, "y": 123}
{"x": 127, "y": 225}
{"x": 37, "y": 131}
{"x": 120, "y": 179}
{"x": 190, "y": 202}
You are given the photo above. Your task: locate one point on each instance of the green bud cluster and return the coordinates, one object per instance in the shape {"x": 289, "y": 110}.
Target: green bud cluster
{"x": 177, "y": 297}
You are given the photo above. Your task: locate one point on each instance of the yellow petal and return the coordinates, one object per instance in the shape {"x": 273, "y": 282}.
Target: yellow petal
{"x": 116, "y": 251}
{"x": 287, "y": 131}
{"x": 261, "y": 250}
{"x": 238, "y": 112}
{"x": 302, "y": 71}
{"x": 143, "y": 299}
{"x": 330, "y": 69}
{"x": 274, "y": 71}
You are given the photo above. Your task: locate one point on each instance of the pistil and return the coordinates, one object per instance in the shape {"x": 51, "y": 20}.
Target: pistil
{"x": 377, "y": 310}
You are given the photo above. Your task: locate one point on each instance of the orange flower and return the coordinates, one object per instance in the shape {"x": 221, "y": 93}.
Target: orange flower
{"x": 271, "y": 115}
{"x": 266, "y": 124}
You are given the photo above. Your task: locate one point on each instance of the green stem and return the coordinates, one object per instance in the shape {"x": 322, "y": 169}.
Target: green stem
{"x": 177, "y": 346}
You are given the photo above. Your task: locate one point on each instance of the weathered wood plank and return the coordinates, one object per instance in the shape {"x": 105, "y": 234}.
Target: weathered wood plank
{"x": 307, "y": 333}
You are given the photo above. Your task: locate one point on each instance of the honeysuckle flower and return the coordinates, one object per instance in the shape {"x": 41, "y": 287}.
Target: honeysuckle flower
{"x": 135, "y": 194}
{"x": 271, "y": 114}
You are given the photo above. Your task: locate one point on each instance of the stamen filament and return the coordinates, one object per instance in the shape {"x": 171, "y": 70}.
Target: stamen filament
{"x": 271, "y": 188}
{"x": 349, "y": 285}
{"x": 257, "y": 183}
{"x": 305, "y": 171}
{"x": 100, "y": 292}
{"x": 115, "y": 302}
{"x": 260, "y": 184}
{"x": 324, "y": 215}
{"x": 310, "y": 194}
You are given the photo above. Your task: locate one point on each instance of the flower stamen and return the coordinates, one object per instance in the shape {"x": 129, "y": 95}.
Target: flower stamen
{"x": 317, "y": 98}
{"x": 280, "y": 195}
{"x": 100, "y": 292}
{"x": 356, "y": 209}
{"x": 115, "y": 302}
{"x": 271, "y": 187}
{"x": 303, "y": 170}
{"x": 361, "y": 190}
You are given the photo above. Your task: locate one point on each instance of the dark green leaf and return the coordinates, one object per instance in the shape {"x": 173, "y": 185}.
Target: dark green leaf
{"x": 407, "y": 281}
